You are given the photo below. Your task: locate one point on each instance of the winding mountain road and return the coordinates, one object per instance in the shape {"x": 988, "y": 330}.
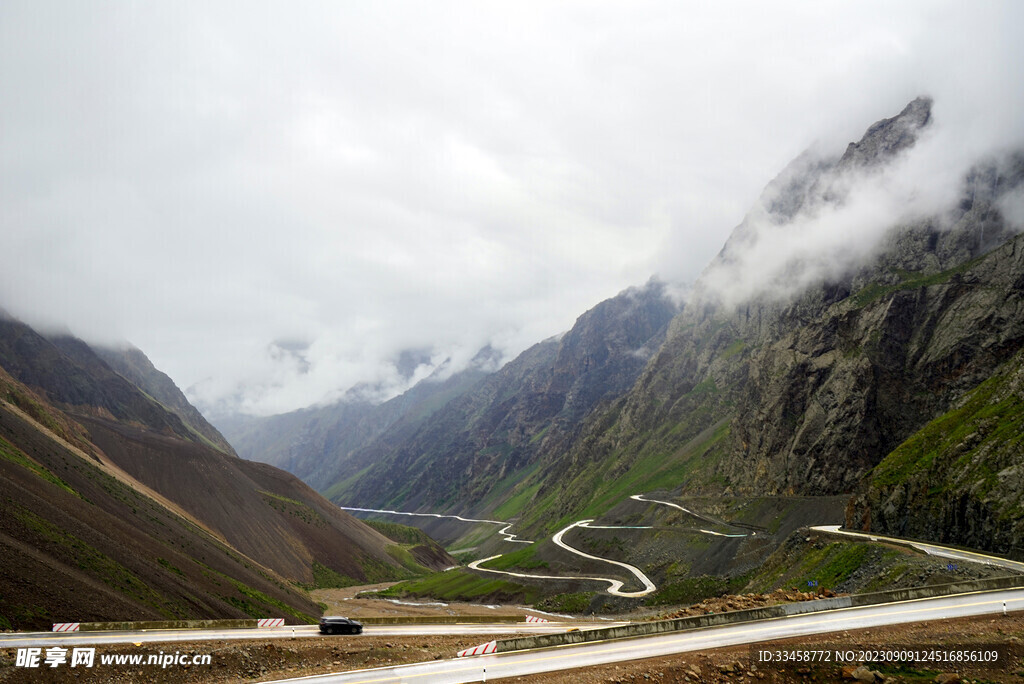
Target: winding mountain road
{"x": 640, "y": 497}
{"x": 509, "y": 537}
{"x": 614, "y": 585}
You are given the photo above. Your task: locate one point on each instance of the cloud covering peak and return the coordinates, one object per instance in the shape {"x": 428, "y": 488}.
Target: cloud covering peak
{"x": 275, "y": 201}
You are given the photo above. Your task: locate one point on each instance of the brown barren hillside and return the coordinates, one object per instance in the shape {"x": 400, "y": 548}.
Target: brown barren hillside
{"x": 111, "y": 512}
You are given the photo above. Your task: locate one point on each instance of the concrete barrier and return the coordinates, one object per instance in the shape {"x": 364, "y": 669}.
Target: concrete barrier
{"x": 782, "y": 610}
{"x": 965, "y": 587}
{"x": 440, "y": 620}
{"x": 249, "y": 623}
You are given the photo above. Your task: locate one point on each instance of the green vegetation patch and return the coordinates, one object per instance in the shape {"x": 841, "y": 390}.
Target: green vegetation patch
{"x": 257, "y": 604}
{"x": 11, "y": 453}
{"x": 515, "y": 505}
{"x": 733, "y": 349}
{"x": 406, "y": 560}
{"x": 37, "y": 411}
{"x": 577, "y": 602}
{"x": 91, "y": 561}
{"x": 825, "y": 567}
{"x": 654, "y": 471}
{"x": 463, "y": 585}
{"x": 327, "y": 578}
{"x": 167, "y": 564}
{"x": 908, "y": 281}
{"x": 378, "y": 571}
{"x": 689, "y": 590}
{"x": 523, "y": 559}
{"x": 293, "y": 508}
{"x": 402, "y": 534}
{"x": 985, "y": 422}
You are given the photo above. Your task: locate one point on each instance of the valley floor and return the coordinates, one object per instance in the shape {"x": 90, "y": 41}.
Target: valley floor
{"x": 346, "y": 602}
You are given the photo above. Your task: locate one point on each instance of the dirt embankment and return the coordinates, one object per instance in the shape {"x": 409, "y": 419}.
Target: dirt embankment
{"x": 724, "y": 604}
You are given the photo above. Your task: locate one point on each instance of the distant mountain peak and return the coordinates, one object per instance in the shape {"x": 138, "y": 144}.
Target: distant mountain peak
{"x": 886, "y": 138}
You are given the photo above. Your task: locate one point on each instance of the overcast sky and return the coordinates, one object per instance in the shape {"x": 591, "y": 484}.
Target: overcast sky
{"x": 272, "y": 200}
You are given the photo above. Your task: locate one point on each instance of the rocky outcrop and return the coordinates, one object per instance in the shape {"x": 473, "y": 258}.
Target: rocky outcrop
{"x": 960, "y": 479}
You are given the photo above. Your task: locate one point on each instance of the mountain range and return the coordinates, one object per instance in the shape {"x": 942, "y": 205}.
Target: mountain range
{"x": 814, "y": 383}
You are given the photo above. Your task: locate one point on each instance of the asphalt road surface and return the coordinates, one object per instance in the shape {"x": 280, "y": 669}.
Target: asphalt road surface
{"x": 300, "y": 631}
{"x": 521, "y": 663}
{"x": 930, "y": 549}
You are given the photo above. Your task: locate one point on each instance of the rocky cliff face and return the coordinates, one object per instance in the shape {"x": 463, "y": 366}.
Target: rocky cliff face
{"x": 805, "y": 394}
{"x": 960, "y": 479}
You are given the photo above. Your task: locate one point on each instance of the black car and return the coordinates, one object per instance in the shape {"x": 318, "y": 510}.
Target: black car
{"x": 333, "y": 624}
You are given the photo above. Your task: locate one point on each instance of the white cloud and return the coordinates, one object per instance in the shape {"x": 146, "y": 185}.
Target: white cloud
{"x": 205, "y": 178}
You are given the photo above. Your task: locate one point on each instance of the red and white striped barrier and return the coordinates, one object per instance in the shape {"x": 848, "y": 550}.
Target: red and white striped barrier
{"x": 482, "y": 649}
{"x": 270, "y": 622}
{"x": 65, "y": 626}
{"x": 534, "y": 618}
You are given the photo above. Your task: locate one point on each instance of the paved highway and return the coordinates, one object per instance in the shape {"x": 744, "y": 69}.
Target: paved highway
{"x": 930, "y": 549}
{"x": 614, "y": 585}
{"x": 521, "y": 663}
{"x": 301, "y": 631}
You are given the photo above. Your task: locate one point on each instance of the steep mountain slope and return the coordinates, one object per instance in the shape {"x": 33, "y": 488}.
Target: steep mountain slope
{"x": 82, "y": 542}
{"x": 144, "y": 523}
{"x": 474, "y": 451}
{"x": 314, "y": 443}
{"x": 67, "y": 372}
{"x": 135, "y": 367}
